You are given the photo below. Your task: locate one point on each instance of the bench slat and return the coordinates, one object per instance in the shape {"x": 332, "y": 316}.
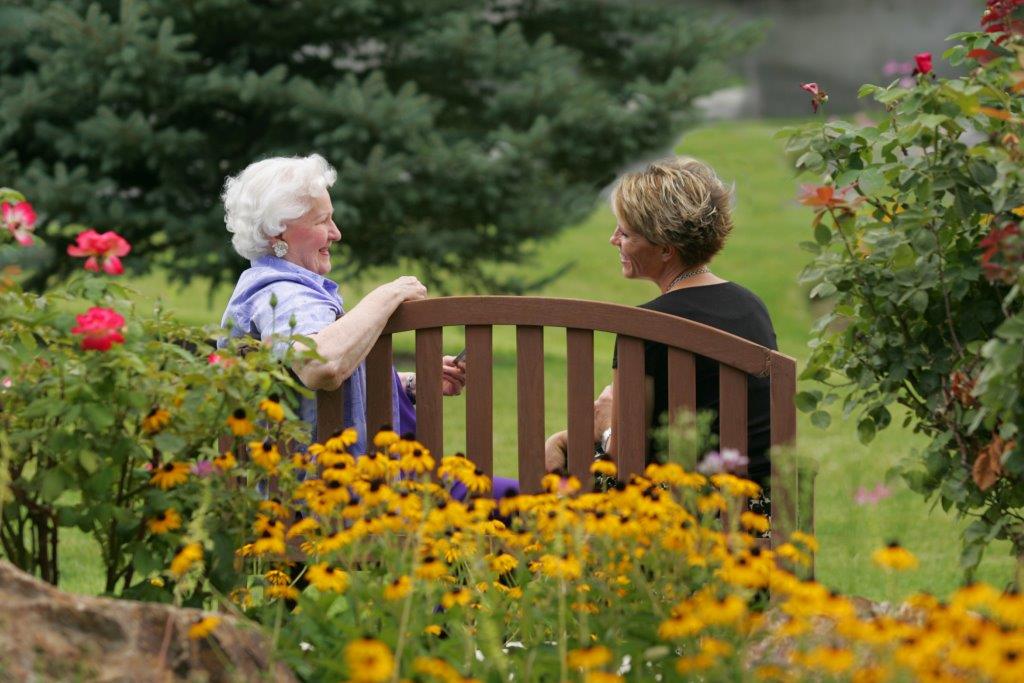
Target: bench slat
{"x": 330, "y": 413}
{"x": 530, "y": 409}
{"x": 379, "y": 383}
{"x": 629, "y": 429}
{"x": 429, "y": 415}
{"x": 732, "y": 408}
{"x": 479, "y": 397}
{"x": 682, "y": 397}
{"x": 785, "y": 475}
{"x": 580, "y": 390}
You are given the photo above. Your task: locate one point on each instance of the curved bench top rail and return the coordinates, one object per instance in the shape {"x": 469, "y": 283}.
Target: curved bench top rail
{"x": 582, "y": 314}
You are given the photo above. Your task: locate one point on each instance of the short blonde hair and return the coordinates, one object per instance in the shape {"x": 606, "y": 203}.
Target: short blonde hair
{"x": 677, "y": 202}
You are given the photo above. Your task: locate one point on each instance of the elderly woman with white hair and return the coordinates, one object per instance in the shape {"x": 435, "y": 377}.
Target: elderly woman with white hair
{"x": 281, "y": 217}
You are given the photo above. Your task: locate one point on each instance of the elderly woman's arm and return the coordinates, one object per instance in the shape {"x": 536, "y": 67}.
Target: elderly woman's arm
{"x": 345, "y": 343}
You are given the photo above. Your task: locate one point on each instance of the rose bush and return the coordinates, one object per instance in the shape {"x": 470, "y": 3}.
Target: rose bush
{"x": 917, "y": 246}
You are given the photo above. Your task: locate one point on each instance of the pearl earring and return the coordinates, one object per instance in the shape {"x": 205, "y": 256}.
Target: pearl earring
{"x": 280, "y": 248}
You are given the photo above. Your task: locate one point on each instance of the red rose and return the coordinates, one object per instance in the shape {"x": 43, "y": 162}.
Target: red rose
{"x": 103, "y": 251}
{"x": 924, "y": 62}
{"x": 100, "y": 328}
{"x": 20, "y": 220}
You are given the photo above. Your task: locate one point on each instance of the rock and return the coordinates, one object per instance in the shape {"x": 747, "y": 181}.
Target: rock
{"x": 48, "y": 635}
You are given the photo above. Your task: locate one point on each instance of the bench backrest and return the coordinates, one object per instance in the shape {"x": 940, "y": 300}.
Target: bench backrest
{"x": 737, "y": 359}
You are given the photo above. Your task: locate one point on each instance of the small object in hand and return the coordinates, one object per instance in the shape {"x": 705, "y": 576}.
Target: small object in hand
{"x": 461, "y": 357}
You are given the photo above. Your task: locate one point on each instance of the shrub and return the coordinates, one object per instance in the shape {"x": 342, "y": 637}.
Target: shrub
{"x": 917, "y": 246}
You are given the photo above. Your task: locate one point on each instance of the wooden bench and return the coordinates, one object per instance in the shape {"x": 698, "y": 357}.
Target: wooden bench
{"x": 737, "y": 359}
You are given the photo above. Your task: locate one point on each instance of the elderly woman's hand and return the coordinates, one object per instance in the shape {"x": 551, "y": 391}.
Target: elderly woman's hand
{"x": 407, "y": 288}
{"x": 555, "y": 449}
{"x": 602, "y": 413}
{"x": 453, "y": 376}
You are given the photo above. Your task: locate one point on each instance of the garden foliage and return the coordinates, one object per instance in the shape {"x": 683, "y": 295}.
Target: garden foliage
{"x": 462, "y": 132}
{"x": 917, "y": 246}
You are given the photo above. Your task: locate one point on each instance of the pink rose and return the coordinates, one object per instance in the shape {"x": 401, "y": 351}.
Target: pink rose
{"x": 100, "y": 328}
{"x": 20, "y": 220}
{"x": 818, "y": 96}
{"x": 103, "y": 251}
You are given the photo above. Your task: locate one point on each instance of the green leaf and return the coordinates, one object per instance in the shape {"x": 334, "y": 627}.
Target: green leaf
{"x": 871, "y": 181}
{"x": 168, "y": 442}
{"x": 52, "y": 484}
{"x": 99, "y": 415}
{"x": 88, "y": 460}
{"x": 821, "y": 419}
{"x": 866, "y": 430}
{"x": 822, "y": 235}
{"x": 806, "y": 401}
{"x": 919, "y": 301}
{"x": 903, "y": 257}
{"x": 983, "y": 172}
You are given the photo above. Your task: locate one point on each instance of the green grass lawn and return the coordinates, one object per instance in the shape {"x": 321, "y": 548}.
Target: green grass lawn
{"x": 762, "y": 255}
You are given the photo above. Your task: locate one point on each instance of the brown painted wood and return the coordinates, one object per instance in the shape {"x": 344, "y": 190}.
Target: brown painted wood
{"x": 330, "y": 413}
{"x": 682, "y": 398}
{"x": 591, "y": 315}
{"x": 580, "y": 390}
{"x": 480, "y": 397}
{"x": 785, "y": 475}
{"x": 379, "y": 384}
{"x": 429, "y": 415}
{"x": 732, "y": 408}
{"x": 530, "y": 412}
{"x": 629, "y": 426}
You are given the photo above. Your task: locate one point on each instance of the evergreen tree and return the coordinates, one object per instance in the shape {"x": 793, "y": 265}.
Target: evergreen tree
{"x": 463, "y": 131}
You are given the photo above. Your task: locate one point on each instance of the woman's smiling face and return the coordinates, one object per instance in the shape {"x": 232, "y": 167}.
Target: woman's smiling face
{"x": 638, "y": 256}
{"x": 309, "y": 237}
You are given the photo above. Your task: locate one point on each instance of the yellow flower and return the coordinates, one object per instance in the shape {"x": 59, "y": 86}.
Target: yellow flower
{"x": 168, "y": 520}
{"x": 753, "y": 521}
{"x": 274, "y": 508}
{"x": 698, "y": 662}
{"x": 1018, "y": 211}
{"x": 430, "y": 568}
{"x": 806, "y": 540}
{"x": 241, "y": 597}
{"x": 156, "y": 420}
{"x": 372, "y": 466}
{"x": 170, "y": 474}
{"x": 303, "y": 527}
{"x": 369, "y": 660}
{"x": 157, "y": 582}
{"x": 265, "y": 454}
{"x": 203, "y": 627}
{"x": 564, "y": 486}
{"x": 398, "y": 589}
{"x": 285, "y": 592}
{"x": 589, "y": 657}
{"x": 239, "y": 423}
{"x": 894, "y": 556}
{"x": 327, "y": 578}
{"x": 832, "y": 660}
{"x": 433, "y": 630}
{"x": 417, "y": 461}
{"x": 456, "y": 596}
{"x": 565, "y": 567}
{"x": 436, "y": 668}
{"x": 604, "y": 466}
{"x": 276, "y": 577}
{"x": 342, "y": 440}
{"x": 732, "y": 485}
{"x": 225, "y": 461}
{"x": 269, "y": 543}
{"x": 680, "y": 626}
{"x": 385, "y": 438}
{"x": 503, "y": 563}
{"x": 186, "y": 557}
{"x": 271, "y": 407}
{"x": 602, "y": 677}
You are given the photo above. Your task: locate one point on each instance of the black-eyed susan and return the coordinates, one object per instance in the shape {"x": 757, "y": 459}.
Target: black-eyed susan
{"x": 752, "y": 521}
{"x": 241, "y": 597}
{"x": 165, "y": 521}
{"x": 341, "y": 441}
{"x": 436, "y": 668}
{"x": 503, "y": 563}
{"x": 604, "y": 466}
{"x": 265, "y": 454}
{"x": 281, "y": 592}
{"x": 303, "y": 527}
{"x": 369, "y": 660}
{"x": 274, "y": 508}
{"x": 170, "y": 474}
{"x": 385, "y": 438}
{"x": 203, "y": 627}
{"x": 456, "y": 597}
{"x": 185, "y": 558}
{"x": 431, "y": 568}
{"x": 593, "y": 657}
{"x": 894, "y": 556}
{"x": 271, "y": 407}
{"x": 276, "y": 577}
{"x": 155, "y": 420}
{"x": 327, "y": 578}
{"x": 565, "y": 567}
{"x": 269, "y": 543}
{"x": 239, "y": 423}
{"x": 225, "y": 461}
{"x": 398, "y": 589}
{"x": 602, "y": 677}
{"x": 417, "y": 461}
{"x": 474, "y": 480}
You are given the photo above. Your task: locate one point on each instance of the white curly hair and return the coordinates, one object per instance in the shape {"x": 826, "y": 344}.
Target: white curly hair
{"x": 260, "y": 199}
